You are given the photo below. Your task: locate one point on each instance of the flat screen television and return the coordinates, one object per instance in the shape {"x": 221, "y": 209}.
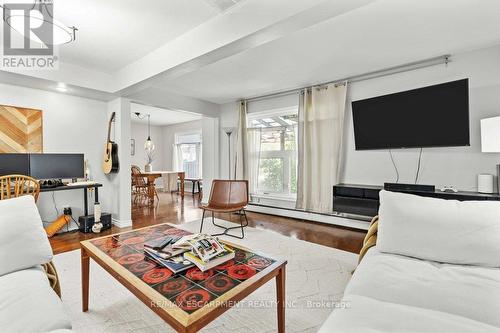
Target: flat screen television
{"x": 56, "y": 166}
{"x": 434, "y": 116}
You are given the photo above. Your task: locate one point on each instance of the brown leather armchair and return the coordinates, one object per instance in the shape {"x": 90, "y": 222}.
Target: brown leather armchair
{"x": 227, "y": 196}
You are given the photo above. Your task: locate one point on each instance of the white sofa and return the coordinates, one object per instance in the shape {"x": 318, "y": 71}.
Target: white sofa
{"x": 27, "y": 301}
{"x": 435, "y": 268}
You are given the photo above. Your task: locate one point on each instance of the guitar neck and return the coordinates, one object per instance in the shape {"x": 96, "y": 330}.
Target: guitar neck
{"x": 109, "y": 126}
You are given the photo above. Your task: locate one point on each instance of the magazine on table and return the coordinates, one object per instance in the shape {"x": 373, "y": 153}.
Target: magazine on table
{"x": 221, "y": 258}
{"x": 204, "y": 246}
{"x": 176, "y": 264}
{"x": 160, "y": 243}
{"x": 166, "y": 252}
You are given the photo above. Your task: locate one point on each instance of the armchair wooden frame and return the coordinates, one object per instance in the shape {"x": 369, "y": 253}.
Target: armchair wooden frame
{"x": 370, "y": 238}
{"x": 13, "y": 186}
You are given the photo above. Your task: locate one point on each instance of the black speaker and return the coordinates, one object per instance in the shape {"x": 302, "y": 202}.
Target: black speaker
{"x": 400, "y": 187}
{"x": 86, "y": 222}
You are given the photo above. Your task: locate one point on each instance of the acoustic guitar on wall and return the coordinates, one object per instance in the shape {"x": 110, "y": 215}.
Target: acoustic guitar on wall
{"x": 110, "y": 163}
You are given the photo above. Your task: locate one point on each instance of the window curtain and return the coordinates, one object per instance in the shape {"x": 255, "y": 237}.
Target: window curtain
{"x": 241, "y": 148}
{"x": 320, "y": 132}
{"x": 254, "y": 148}
{"x": 199, "y": 159}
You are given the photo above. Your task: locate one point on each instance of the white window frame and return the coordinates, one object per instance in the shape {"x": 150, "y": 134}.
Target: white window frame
{"x": 199, "y": 156}
{"x": 282, "y": 154}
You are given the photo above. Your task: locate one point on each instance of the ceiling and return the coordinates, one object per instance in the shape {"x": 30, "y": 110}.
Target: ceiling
{"x": 114, "y": 33}
{"x": 195, "y": 54}
{"x": 382, "y": 34}
{"x": 159, "y": 116}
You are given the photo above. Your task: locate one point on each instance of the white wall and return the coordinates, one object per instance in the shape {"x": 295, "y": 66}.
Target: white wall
{"x": 210, "y": 148}
{"x": 70, "y": 125}
{"x": 455, "y": 166}
{"x": 140, "y": 133}
{"x": 121, "y": 181}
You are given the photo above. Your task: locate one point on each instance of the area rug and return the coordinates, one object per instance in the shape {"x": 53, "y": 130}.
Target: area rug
{"x": 316, "y": 277}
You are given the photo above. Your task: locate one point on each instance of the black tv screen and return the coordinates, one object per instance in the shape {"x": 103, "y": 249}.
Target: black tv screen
{"x": 434, "y": 116}
{"x": 54, "y": 166}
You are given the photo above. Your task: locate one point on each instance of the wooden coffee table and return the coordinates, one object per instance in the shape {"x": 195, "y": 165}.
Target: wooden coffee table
{"x": 189, "y": 300}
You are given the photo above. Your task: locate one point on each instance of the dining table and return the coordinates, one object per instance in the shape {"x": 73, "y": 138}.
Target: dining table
{"x": 151, "y": 178}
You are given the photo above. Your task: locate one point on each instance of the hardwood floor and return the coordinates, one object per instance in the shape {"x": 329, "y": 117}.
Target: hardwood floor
{"x": 172, "y": 209}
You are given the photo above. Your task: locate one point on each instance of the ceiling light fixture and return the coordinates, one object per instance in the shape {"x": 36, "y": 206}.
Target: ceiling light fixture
{"x": 42, "y": 12}
{"x": 149, "y": 146}
{"x": 62, "y": 87}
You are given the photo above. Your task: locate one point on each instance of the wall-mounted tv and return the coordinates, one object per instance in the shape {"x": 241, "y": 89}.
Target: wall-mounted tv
{"x": 434, "y": 116}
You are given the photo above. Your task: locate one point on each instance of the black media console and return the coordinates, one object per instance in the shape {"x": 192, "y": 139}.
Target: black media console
{"x": 364, "y": 199}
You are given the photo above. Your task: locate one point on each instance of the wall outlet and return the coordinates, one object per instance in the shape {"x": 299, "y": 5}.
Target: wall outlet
{"x": 67, "y": 211}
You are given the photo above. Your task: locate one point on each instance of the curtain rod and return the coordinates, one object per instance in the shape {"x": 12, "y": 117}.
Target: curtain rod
{"x": 444, "y": 59}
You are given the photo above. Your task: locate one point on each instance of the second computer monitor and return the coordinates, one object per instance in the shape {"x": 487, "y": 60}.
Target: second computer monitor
{"x": 56, "y": 166}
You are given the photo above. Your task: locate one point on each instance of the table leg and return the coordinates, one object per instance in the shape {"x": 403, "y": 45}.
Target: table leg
{"x": 182, "y": 175}
{"x": 151, "y": 190}
{"x": 85, "y": 280}
{"x": 85, "y": 202}
{"x": 280, "y": 294}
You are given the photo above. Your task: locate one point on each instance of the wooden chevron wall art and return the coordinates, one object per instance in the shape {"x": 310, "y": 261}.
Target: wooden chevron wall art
{"x": 20, "y": 130}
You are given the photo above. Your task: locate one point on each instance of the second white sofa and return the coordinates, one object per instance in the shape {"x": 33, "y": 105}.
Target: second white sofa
{"x": 435, "y": 268}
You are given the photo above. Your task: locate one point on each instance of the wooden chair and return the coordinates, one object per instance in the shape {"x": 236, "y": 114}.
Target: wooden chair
{"x": 139, "y": 186}
{"x": 13, "y": 186}
{"x": 227, "y": 196}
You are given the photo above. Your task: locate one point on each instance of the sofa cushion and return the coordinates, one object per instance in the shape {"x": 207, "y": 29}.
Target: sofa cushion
{"x": 28, "y": 303}
{"x": 23, "y": 241}
{"x": 368, "y": 315}
{"x": 440, "y": 230}
{"x": 467, "y": 291}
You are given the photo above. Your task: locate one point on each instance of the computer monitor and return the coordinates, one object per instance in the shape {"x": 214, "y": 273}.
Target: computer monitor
{"x": 14, "y": 164}
{"x": 56, "y": 166}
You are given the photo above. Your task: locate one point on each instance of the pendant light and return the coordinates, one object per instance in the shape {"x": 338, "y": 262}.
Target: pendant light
{"x": 149, "y": 146}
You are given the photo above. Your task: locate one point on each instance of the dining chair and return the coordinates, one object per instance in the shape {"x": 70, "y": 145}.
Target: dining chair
{"x": 12, "y": 186}
{"x": 227, "y": 196}
{"x": 139, "y": 186}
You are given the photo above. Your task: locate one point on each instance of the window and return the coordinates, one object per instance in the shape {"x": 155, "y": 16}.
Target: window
{"x": 273, "y": 152}
{"x": 187, "y": 154}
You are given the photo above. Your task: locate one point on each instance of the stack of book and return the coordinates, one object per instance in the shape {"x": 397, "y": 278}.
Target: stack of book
{"x": 179, "y": 254}
{"x": 164, "y": 253}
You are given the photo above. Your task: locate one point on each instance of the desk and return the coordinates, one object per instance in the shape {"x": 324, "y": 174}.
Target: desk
{"x": 151, "y": 177}
{"x": 77, "y": 187}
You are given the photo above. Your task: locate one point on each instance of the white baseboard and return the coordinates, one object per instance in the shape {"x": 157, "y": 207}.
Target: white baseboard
{"x": 297, "y": 214}
{"x": 122, "y": 223}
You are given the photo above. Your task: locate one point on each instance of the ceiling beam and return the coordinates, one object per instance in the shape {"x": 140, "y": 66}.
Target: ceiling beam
{"x": 139, "y": 75}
